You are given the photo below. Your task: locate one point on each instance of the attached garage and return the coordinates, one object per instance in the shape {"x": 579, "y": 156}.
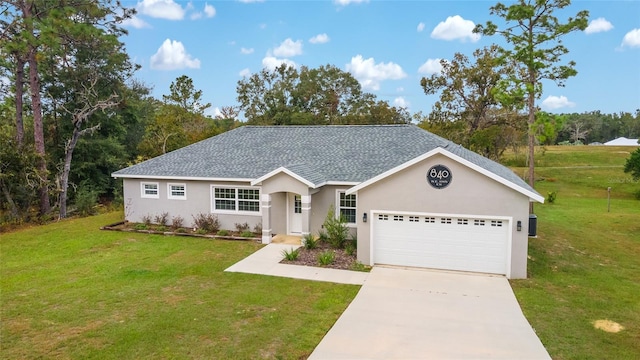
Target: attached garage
{"x": 442, "y": 241}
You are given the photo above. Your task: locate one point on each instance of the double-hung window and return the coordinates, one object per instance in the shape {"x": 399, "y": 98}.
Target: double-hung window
{"x": 347, "y": 207}
{"x": 241, "y": 200}
{"x": 149, "y": 190}
{"x": 177, "y": 191}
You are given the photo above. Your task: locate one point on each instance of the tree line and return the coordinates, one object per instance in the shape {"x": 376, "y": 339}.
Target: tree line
{"x": 72, "y": 111}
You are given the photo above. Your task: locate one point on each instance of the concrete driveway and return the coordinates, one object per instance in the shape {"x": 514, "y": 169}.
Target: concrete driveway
{"x": 422, "y": 314}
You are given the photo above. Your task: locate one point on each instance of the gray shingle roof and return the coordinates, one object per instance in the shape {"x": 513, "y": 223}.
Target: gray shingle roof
{"x": 319, "y": 154}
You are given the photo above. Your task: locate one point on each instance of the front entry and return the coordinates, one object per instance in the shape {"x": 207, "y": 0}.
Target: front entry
{"x": 294, "y": 213}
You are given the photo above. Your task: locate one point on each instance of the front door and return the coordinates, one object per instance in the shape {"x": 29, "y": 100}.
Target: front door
{"x": 295, "y": 213}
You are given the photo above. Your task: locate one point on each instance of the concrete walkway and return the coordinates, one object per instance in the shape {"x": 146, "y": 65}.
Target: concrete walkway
{"x": 266, "y": 261}
{"x": 423, "y": 314}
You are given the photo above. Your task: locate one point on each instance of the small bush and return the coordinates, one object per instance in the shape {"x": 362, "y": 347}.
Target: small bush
{"x": 292, "y": 254}
{"x": 350, "y": 248}
{"x": 201, "y": 231}
{"x": 326, "y": 258}
{"x": 309, "y": 241}
{"x": 246, "y": 234}
{"x": 146, "y": 220}
{"x": 86, "y": 201}
{"x": 140, "y": 226}
{"x": 240, "y": 228}
{"x": 337, "y": 230}
{"x": 177, "y": 222}
{"x": 258, "y": 228}
{"x": 162, "y": 228}
{"x": 209, "y": 223}
{"x": 162, "y": 219}
{"x": 323, "y": 237}
{"x": 181, "y": 230}
{"x": 223, "y": 233}
{"x": 551, "y": 197}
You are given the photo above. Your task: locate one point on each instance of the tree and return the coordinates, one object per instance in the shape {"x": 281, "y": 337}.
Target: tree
{"x": 633, "y": 165}
{"x": 547, "y": 126}
{"x": 178, "y": 121}
{"x": 534, "y": 35}
{"x": 311, "y": 96}
{"x": 468, "y": 111}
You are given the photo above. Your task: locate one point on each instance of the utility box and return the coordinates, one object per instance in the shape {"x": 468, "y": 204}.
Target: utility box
{"x": 533, "y": 225}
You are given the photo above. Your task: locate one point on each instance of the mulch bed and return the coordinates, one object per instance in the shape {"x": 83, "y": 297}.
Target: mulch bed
{"x": 342, "y": 260}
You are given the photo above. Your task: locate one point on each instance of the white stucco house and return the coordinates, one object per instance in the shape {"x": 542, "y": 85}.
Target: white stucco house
{"x": 413, "y": 198}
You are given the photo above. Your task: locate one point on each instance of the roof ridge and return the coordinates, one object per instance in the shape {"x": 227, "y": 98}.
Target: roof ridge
{"x": 326, "y": 126}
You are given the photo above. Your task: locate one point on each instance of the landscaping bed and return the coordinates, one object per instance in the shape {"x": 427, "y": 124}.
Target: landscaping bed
{"x": 342, "y": 259}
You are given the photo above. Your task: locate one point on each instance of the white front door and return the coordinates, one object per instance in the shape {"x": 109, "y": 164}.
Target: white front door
{"x": 294, "y": 205}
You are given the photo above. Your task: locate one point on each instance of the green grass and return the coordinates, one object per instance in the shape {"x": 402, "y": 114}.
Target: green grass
{"x": 585, "y": 264}
{"x": 71, "y": 291}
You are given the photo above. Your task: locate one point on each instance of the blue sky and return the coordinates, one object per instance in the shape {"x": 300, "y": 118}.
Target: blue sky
{"x": 387, "y": 45}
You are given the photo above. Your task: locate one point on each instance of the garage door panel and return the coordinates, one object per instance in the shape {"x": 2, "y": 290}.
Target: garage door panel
{"x": 454, "y": 243}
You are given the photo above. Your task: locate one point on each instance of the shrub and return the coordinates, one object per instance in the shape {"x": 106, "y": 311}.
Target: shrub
{"x": 326, "y": 258}
{"x": 140, "y": 226}
{"x": 209, "y": 223}
{"x": 146, "y": 220}
{"x": 258, "y": 228}
{"x": 86, "y": 201}
{"x": 177, "y": 222}
{"x": 246, "y": 234}
{"x": 337, "y": 230}
{"x": 291, "y": 254}
{"x": 350, "y": 247}
{"x": 162, "y": 228}
{"x": 310, "y": 242}
{"x": 551, "y": 197}
{"x": 240, "y": 228}
{"x": 358, "y": 266}
{"x": 223, "y": 233}
{"x": 162, "y": 219}
{"x": 322, "y": 236}
{"x": 201, "y": 231}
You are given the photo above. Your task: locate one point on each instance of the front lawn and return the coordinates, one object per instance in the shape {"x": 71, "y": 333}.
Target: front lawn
{"x": 585, "y": 264}
{"x": 69, "y": 290}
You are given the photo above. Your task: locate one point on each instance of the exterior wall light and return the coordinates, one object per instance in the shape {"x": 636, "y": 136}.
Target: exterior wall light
{"x": 519, "y": 225}
{"x": 364, "y": 217}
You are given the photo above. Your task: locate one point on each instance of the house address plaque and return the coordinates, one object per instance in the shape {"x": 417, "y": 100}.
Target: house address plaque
{"x": 439, "y": 176}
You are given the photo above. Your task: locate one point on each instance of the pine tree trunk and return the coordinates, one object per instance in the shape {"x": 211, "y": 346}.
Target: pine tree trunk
{"x": 19, "y": 84}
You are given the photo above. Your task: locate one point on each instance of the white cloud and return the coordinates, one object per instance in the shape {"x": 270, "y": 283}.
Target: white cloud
{"x": 370, "y": 74}
{"x": 420, "y": 27}
{"x": 400, "y": 102}
{"x": 246, "y": 51}
{"x": 163, "y": 9}
{"x": 347, "y": 2}
{"x": 430, "y": 67}
{"x": 271, "y": 62}
{"x": 598, "y": 25}
{"x": 172, "y": 56}
{"x": 556, "y": 102}
{"x": 319, "y": 39}
{"x": 288, "y": 48}
{"x": 455, "y": 27}
{"x": 196, "y": 16}
{"x": 245, "y": 72}
{"x": 135, "y": 22}
{"x": 209, "y": 10}
{"x": 632, "y": 38}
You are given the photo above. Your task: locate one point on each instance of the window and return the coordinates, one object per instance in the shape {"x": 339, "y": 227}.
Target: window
{"x": 445, "y": 221}
{"x": 383, "y": 217}
{"x": 477, "y": 222}
{"x": 414, "y": 219}
{"x": 398, "y": 218}
{"x": 236, "y": 199}
{"x": 149, "y": 190}
{"x": 297, "y": 204}
{"x": 177, "y": 191}
{"x": 430, "y": 220}
{"x": 463, "y": 221}
{"x": 347, "y": 207}
{"x": 497, "y": 223}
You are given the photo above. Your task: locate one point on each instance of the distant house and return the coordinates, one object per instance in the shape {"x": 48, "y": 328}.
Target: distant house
{"x": 622, "y": 141}
{"x": 413, "y": 198}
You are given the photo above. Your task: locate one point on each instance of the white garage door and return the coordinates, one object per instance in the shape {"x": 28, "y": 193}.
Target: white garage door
{"x": 441, "y": 242}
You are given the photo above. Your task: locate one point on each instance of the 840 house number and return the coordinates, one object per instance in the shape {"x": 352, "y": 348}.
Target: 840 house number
{"x": 439, "y": 176}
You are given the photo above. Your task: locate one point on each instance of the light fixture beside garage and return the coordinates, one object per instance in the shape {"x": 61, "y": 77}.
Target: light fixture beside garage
{"x": 364, "y": 217}
{"x": 519, "y": 225}
{"x": 439, "y": 176}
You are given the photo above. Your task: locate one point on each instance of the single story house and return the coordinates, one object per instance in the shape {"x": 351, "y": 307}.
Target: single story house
{"x": 413, "y": 198}
{"x": 622, "y": 141}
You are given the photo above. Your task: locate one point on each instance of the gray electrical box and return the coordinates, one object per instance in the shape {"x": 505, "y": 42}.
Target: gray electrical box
{"x": 533, "y": 225}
